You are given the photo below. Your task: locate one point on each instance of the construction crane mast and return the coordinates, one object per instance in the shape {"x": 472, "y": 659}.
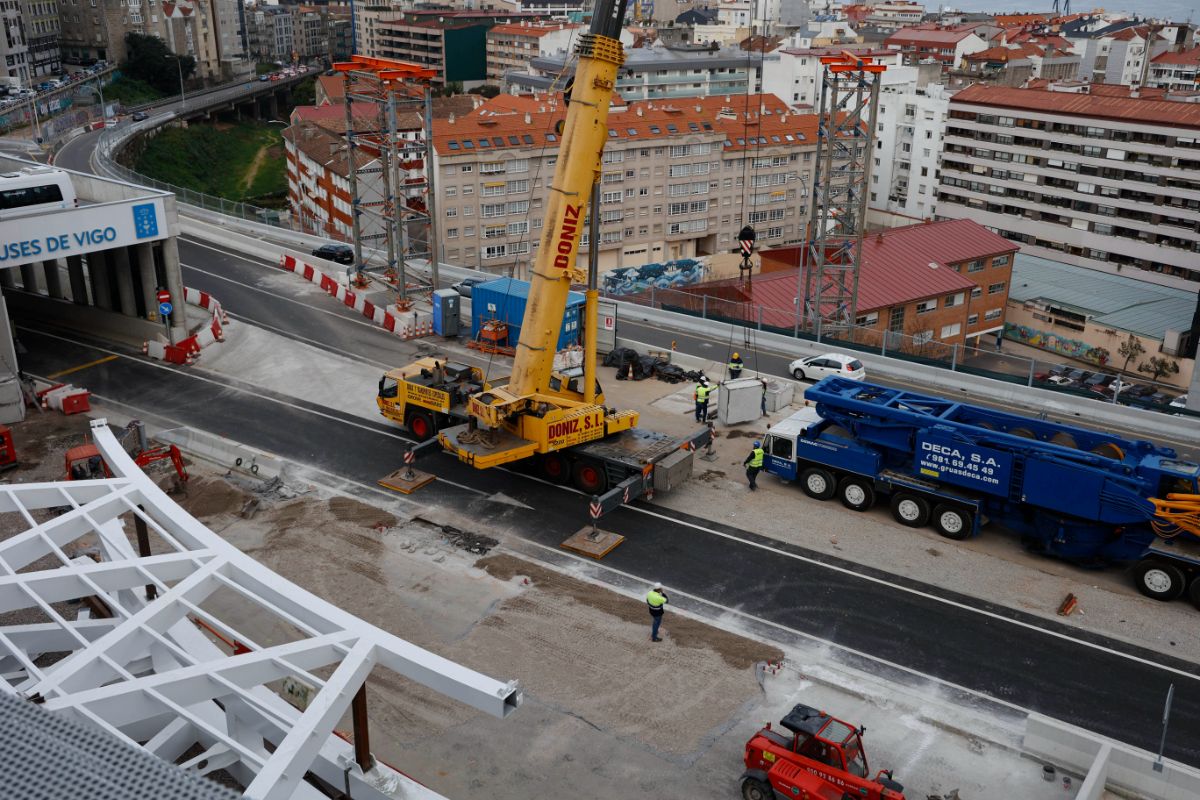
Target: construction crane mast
{"x": 846, "y": 133}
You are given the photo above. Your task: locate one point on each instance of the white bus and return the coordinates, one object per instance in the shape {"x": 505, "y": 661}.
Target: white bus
{"x": 34, "y": 190}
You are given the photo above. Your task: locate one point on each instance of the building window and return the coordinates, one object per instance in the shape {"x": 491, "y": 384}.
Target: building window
{"x": 996, "y": 288}
{"x": 950, "y": 330}
{"x": 995, "y": 313}
{"x": 451, "y": 212}
{"x": 867, "y": 320}
{"x": 954, "y": 300}
{"x": 973, "y": 319}
{"x": 974, "y": 266}
{"x": 999, "y": 261}
{"x": 451, "y": 233}
{"x": 925, "y": 306}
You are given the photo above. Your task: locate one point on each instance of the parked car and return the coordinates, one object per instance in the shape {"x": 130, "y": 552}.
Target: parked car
{"x": 1179, "y": 402}
{"x": 1079, "y": 375}
{"x": 339, "y": 253}
{"x": 465, "y": 286}
{"x": 138, "y": 116}
{"x": 1059, "y": 380}
{"x": 264, "y": 78}
{"x": 816, "y": 367}
{"x": 1159, "y": 399}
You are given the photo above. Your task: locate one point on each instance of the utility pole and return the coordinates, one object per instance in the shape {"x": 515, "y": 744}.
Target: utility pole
{"x": 352, "y": 177}
{"x": 435, "y": 244}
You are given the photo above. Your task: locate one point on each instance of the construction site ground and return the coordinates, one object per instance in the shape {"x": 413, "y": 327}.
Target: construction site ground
{"x": 606, "y": 713}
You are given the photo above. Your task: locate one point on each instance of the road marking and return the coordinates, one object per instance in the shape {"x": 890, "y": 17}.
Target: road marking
{"x": 592, "y": 563}
{"x": 645, "y": 511}
{"x": 80, "y": 367}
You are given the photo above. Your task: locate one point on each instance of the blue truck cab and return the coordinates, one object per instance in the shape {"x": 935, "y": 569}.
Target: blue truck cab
{"x": 1069, "y": 492}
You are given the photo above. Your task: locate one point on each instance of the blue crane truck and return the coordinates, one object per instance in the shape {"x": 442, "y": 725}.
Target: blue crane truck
{"x": 1069, "y": 492}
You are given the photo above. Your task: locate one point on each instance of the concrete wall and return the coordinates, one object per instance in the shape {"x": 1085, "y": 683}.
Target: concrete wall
{"x": 65, "y": 314}
{"x": 1106, "y": 763}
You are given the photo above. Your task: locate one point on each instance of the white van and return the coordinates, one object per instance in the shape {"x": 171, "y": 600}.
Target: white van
{"x": 35, "y": 190}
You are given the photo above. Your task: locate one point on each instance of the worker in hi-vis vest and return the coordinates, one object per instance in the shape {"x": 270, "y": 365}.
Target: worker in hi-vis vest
{"x": 754, "y": 464}
{"x": 736, "y": 365}
{"x": 656, "y": 599}
{"x": 703, "y": 390}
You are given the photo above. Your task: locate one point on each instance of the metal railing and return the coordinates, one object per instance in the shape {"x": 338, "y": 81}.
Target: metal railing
{"x": 988, "y": 361}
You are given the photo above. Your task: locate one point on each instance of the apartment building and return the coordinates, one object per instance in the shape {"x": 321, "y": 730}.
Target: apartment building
{"x": 429, "y": 37}
{"x": 273, "y": 34}
{"x": 1015, "y": 63}
{"x": 893, "y": 16}
{"x": 1176, "y": 71}
{"x": 680, "y": 178}
{"x": 40, "y": 24}
{"x": 910, "y": 124}
{"x": 310, "y": 32}
{"x": 947, "y": 46}
{"x": 1119, "y": 56}
{"x": 659, "y": 73}
{"x": 14, "y": 50}
{"x": 510, "y": 47}
{"x": 1106, "y": 182}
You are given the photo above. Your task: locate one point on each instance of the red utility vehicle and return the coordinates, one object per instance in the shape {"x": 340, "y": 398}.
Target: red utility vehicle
{"x": 84, "y": 462}
{"x": 821, "y": 758}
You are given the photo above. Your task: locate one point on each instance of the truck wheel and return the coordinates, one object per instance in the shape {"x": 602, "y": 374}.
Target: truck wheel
{"x": 1158, "y": 579}
{"x": 754, "y": 789}
{"x": 420, "y": 425}
{"x": 856, "y": 493}
{"x": 817, "y": 483}
{"x": 1194, "y": 592}
{"x": 952, "y": 522}
{"x": 589, "y": 477}
{"x": 554, "y": 468}
{"x": 910, "y": 509}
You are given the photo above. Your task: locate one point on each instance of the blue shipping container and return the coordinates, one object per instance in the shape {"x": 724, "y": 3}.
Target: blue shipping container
{"x": 504, "y": 299}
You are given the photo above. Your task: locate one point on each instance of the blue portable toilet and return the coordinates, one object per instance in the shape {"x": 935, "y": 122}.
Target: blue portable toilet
{"x": 504, "y": 299}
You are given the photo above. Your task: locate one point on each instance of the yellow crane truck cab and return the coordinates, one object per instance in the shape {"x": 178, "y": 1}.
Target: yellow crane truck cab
{"x": 429, "y": 394}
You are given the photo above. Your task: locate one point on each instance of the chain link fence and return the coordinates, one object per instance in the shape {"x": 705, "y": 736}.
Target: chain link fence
{"x": 987, "y": 361}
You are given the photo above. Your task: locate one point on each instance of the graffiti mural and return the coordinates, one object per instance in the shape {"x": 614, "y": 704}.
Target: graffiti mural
{"x": 671, "y": 275}
{"x": 1053, "y": 342}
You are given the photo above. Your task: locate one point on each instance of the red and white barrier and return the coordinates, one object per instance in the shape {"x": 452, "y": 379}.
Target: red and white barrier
{"x": 65, "y": 398}
{"x": 185, "y": 352}
{"x": 406, "y": 325}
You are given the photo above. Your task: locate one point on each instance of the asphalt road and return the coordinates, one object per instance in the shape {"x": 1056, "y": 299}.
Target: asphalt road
{"x": 1109, "y": 687}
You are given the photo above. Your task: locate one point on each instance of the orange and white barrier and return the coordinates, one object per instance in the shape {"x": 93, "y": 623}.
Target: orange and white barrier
{"x": 406, "y": 325}
{"x": 186, "y": 351}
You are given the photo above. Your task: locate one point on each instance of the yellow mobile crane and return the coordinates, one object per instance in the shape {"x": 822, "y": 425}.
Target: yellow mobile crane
{"x": 538, "y": 412}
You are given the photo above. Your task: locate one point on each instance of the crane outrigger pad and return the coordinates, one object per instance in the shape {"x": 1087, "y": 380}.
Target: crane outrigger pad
{"x": 406, "y": 480}
{"x": 589, "y": 541}
{"x": 498, "y": 447}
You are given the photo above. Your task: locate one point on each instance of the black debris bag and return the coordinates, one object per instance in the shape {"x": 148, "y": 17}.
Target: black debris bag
{"x": 620, "y": 357}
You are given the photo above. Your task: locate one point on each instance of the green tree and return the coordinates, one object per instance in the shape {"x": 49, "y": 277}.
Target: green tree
{"x": 1159, "y": 367}
{"x": 305, "y": 92}
{"x": 1131, "y": 349}
{"x": 148, "y": 59}
{"x": 487, "y": 90}
{"x": 452, "y": 88}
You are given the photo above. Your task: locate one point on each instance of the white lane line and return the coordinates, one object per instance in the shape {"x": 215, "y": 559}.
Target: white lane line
{"x": 190, "y": 373}
{"x": 730, "y": 537}
{"x": 591, "y": 563}
{"x": 278, "y": 296}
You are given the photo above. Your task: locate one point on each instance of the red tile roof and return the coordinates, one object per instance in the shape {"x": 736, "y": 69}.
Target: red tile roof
{"x": 1014, "y": 20}
{"x": 1126, "y": 109}
{"x": 926, "y": 36}
{"x": 1006, "y": 54}
{"x": 898, "y": 266}
{"x": 334, "y": 86}
{"x": 534, "y": 31}
{"x": 736, "y": 117}
{"x": 1186, "y": 57}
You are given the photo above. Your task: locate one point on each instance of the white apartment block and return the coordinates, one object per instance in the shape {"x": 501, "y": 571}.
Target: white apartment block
{"x": 1120, "y": 57}
{"x": 1110, "y": 183}
{"x": 14, "y": 51}
{"x": 910, "y": 125}
{"x": 679, "y": 179}
{"x": 796, "y": 76}
{"x": 1176, "y": 71}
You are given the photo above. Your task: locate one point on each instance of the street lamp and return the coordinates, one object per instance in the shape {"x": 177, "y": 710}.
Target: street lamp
{"x": 179, "y": 67}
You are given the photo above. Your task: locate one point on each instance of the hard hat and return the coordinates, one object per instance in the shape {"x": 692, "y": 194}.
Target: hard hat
{"x": 657, "y": 585}
{"x": 757, "y": 443}
{"x": 737, "y": 355}
{"x": 703, "y": 379}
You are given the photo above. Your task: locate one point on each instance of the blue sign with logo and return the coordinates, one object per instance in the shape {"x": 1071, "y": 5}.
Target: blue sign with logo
{"x": 145, "y": 221}
{"x": 165, "y": 309}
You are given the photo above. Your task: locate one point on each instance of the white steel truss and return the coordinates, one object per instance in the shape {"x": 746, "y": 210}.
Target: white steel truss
{"x": 132, "y": 657}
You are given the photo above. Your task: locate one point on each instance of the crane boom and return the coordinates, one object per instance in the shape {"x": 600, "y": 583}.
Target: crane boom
{"x": 583, "y": 139}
